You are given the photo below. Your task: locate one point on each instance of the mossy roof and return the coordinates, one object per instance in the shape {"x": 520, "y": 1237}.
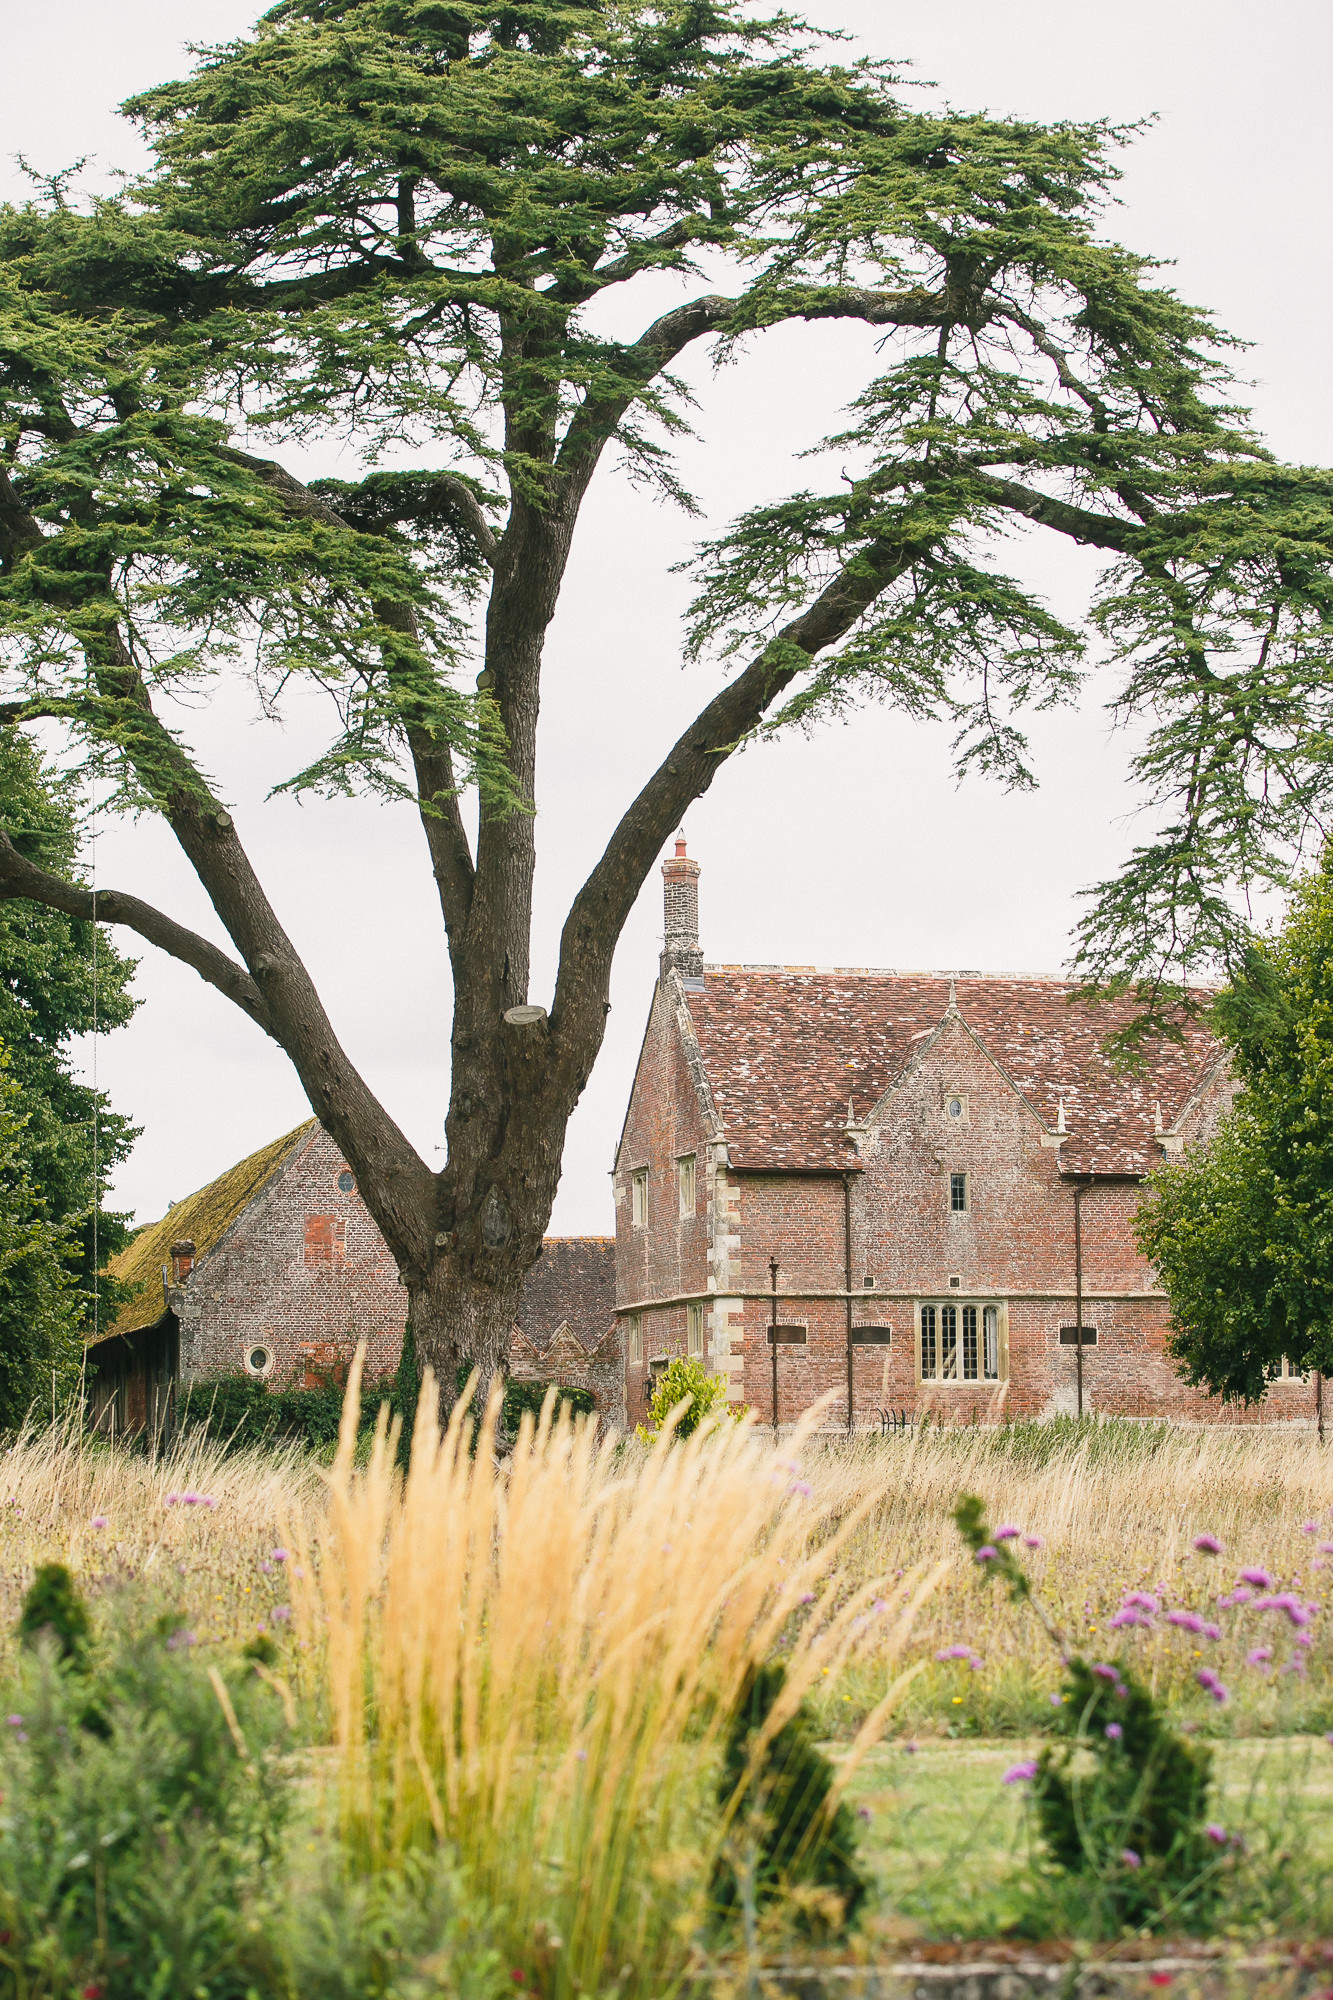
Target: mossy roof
{"x": 203, "y": 1219}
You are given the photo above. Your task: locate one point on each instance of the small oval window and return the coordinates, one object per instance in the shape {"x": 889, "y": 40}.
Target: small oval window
{"x": 258, "y": 1360}
{"x": 346, "y": 1181}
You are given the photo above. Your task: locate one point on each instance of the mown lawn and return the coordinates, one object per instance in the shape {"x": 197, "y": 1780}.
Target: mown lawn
{"x": 948, "y": 1841}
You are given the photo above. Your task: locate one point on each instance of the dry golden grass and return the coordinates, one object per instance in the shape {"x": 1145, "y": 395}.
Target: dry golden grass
{"x": 196, "y": 1526}
{"x": 533, "y": 1664}
{"x": 1116, "y": 1508}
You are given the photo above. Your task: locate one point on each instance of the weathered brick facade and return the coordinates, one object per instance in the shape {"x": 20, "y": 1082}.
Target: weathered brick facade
{"x": 910, "y": 1150}
{"x": 278, "y": 1268}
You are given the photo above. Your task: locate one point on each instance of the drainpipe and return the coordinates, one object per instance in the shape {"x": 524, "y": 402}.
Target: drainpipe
{"x": 773, "y": 1336}
{"x": 1079, "y": 1193}
{"x": 847, "y": 1247}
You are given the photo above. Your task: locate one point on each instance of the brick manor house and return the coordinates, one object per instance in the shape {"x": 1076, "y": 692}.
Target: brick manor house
{"x": 922, "y": 1183}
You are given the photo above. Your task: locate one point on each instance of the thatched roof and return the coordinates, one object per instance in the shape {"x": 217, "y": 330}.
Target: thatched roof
{"x": 203, "y": 1219}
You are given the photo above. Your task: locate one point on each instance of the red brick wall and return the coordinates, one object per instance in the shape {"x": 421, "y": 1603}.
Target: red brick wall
{"x": 304, "y": 1272}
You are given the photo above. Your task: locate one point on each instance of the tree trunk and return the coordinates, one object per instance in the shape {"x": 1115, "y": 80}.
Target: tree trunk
{"x": 460, "y": 1322}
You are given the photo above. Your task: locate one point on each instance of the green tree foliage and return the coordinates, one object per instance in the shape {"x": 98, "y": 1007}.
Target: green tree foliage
{"x": 1241, "y": 1230}
{"x": 686, "y": 1380}
{"x": 412, "y": 238}
{"x": 53, "y": 1606}
{"x": 41, "y": 1349}
{"x": 50, "y": 963}
{"x": 786, "y": 1841}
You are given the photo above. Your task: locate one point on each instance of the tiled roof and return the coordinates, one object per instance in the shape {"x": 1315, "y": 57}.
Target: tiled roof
{"x": 574, "y": 1281}
{"x": 784, "y": 1046}
{"x": 202, "y": 1219}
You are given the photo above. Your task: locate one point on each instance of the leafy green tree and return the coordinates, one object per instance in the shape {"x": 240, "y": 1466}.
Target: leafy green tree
{"x": 59, "y": 980}
{"x": 1241, "y": 1230}
{"x": 375, "y": 226}
{"x": 41, "y": 1348}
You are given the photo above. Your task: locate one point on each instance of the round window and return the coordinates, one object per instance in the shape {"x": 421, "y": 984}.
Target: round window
{"x": 258, "y": 1360}
{"x": 346, "y": 1181}
{"x": 955, "y": 1107}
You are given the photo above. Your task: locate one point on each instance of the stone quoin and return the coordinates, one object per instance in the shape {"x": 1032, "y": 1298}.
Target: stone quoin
{"x": 911, "y": 1150}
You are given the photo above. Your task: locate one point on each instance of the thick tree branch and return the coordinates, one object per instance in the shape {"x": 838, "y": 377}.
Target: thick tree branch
{"x": 603, "y": 904}
{"x": 20, "y": 877}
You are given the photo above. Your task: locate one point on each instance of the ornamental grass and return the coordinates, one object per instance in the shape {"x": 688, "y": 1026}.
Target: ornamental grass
{"x": 531, "y": 1664}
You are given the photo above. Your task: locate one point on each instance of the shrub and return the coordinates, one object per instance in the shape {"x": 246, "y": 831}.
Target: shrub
{"x": 240, "y": 1412}
{"x": 687, "y": 1381}
{"x": 127, "y": 1850}
{"x": 528, "y": 1397}
{"x": 784, "y": 1839}
{"x": 1131, "y": 1828}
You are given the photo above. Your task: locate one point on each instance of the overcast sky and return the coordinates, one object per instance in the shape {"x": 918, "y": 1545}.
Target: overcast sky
{"x": 854, "y": 848}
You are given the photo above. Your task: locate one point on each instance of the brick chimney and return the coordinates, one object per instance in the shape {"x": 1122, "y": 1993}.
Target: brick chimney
{"x": 680, "y": 880}
{"x": 182, "y": 1260}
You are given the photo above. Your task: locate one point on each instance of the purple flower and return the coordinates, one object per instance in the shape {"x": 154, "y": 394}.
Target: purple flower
{"x": 282, "y": 1612}
{"x": 16, "y": 1721}
{"x": 1021, "y": 1774}
{"x": 1056, "y": 1700}
{"x": 278, "y": 1555}
{"x": 1326, "y": 1548}
{"x": 1258, "y": 1577}
{"x": 1129, "y": 1617}
{"x": 1259, "y": 1656}
{"x": 267, "y": 1568}
{"x": 1033, "y": 1542}
{"x": 1007, "y": 1534}
{"x": 1305, "y": 1638}
{"x": 1106, "y": 1673}
{"x": 957, "y": 1653}
{"x": 1114, "y": 1731}
{"x": 98, "y": 1521}
{"x": 171, "y": 1500}
{"x": 1298, "y": 1613}
{"x": 1309, "y": 1527}
{"x": 1217, "y": 1833}
{"x": 1141, "y": 1600}
{"x": 864, "y": 1812}
{"x": 1212, "y": 1684}
{"x": 880, "y": 1604}
{"x": 1237, "y": 1596}
{"x": 801, "y": 1487}
{"x": 806, "y": 1597}
{"x": 986, "y": 1555}
{"x": 1130, "y": 1858}
{"x": 1208, "y": 1545}
{"x": 582, "y": 1756}
{"x": 179, "y": 1639}
{"x": 1329, "y": 1739}
{"x": 909, "y": 1749}
{"x": 1211, "y": 1631}
{"x": 1188, "y": 1621}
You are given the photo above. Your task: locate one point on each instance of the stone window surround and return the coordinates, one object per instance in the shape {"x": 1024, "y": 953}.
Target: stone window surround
{"x": 980, "y": 1380}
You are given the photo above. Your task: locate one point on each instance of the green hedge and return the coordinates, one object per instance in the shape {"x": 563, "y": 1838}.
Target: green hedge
{"x": 239, "y": 1410}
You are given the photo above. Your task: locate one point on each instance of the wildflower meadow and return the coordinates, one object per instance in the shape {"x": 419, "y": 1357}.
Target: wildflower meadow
{"x": 586, "y": 1715}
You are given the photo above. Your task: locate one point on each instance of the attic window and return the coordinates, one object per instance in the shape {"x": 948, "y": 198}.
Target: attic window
{"x": 687, "y": 1200}
{"x": 639, "y": 1197}
{"x": 955, "y": 1107}
{"x": 346, "y": 1181}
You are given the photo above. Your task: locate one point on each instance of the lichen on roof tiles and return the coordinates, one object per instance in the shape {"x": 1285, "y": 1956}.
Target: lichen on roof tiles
{"x": 782, "y": 1045}
{"x": 203, "y": 1218}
